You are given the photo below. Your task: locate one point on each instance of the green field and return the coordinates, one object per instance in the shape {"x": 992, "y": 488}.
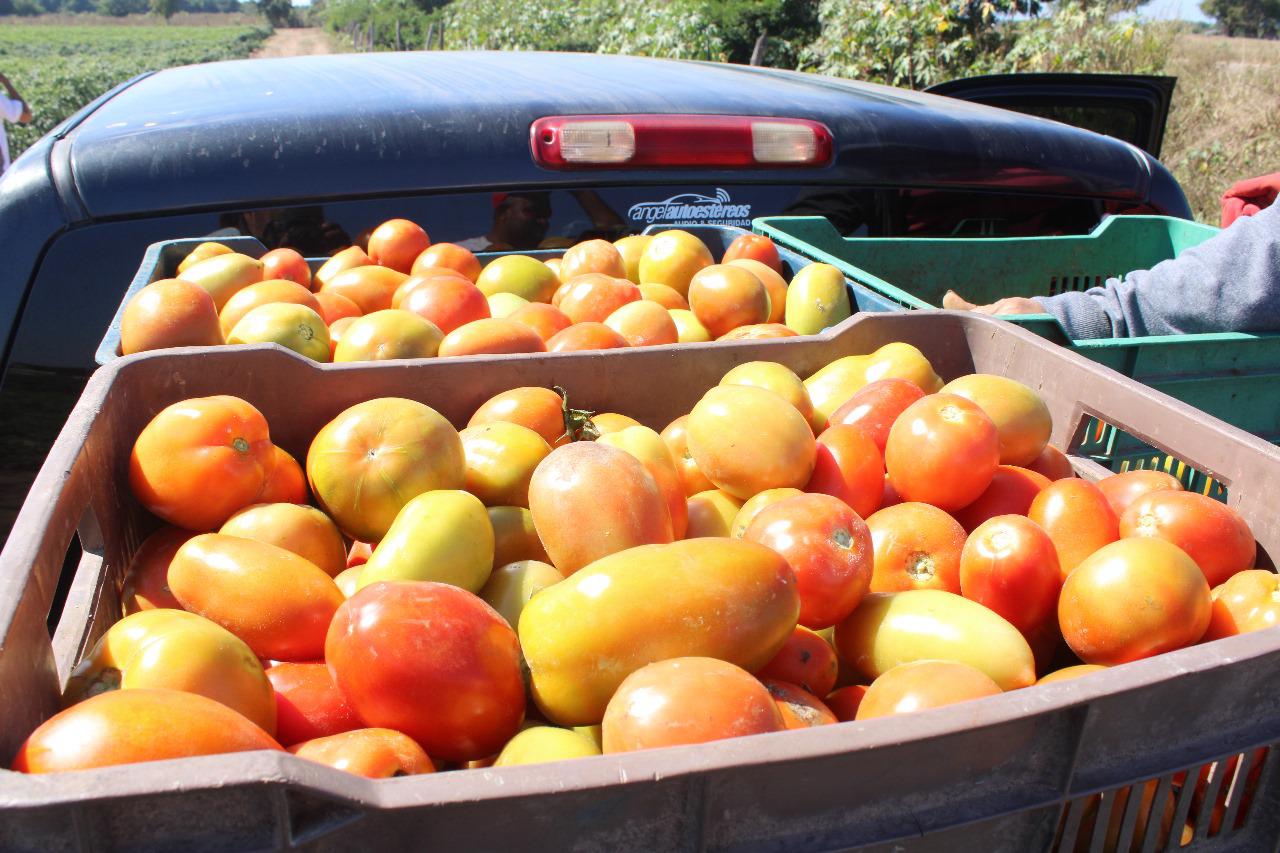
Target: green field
{"x": 60, "y": 68}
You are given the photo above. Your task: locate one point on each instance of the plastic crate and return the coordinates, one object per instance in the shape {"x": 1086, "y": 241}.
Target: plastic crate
{"x": 1232, "y": 376}
{"x": 161, "y": 261}
{"x": 1016, "y": 772}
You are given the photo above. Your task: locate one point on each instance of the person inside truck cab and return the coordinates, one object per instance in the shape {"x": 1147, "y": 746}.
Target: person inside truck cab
{"x": 1229, "y": 283}
{"x": 12, "y": 109}
{"x": 521, "y": 221}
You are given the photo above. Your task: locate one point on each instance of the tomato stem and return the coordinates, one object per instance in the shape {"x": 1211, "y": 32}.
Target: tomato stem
{"x": 578, "y": 425}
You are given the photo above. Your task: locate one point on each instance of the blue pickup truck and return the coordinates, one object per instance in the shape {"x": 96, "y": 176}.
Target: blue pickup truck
{"x": 516, "y": 151}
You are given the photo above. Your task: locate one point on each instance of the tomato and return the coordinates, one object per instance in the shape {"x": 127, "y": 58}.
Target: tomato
{"x": 334, "y": 307}
{"x": 758, "y": 332}
{"x": 349, "y": 258}
{"x": 337, "y": 329}
{"x": 370, "y": 287}
{"x": 631, "y": 248}
{"x": 1009, "y": 564}
{"x": 375, "y": 457}
{"x": 806, "y": 660}
{"x": 128, "y": 726}
{"x": 1011, "y": 492}
{"x": 359, "y": 554}
{"x": 286, "y": 264}
{"x": 221, "y": 276}
{"x": 643, "y": 324}
{"x": 665, "y": 296}
{"x": 200, "y": 253}
{"x": 1021, "y": 417}
{"x": 817, "y": 299}
{"x": 584, "y": 635}
{"x": 922, "y": 685}
{"x": 584, "y": 337}
{"x": 546, "y": 320}
{"x": 446, "y": 301}
{"x": 285, "y": 481}
{"x": 514, "y": 536}
{"x": 607, "y": 485}
{"x": 676, "y": 437}
{"x": 407, "y": 287}
{"x": 308, "y": 703}
{"x": 1210, "y": 532}
{"x": 347, "y": 580}
{"x": 447, "y": 256}
{"x": 774, "y": 284}
{"x": 304, "y": 530}
{"x": 672, "y": 258}
{"x": 1077, "y": 518}
{"x": 432, "y": 661}
{"x": 200, "y": 460}
{"x": 500, "y": 458}
{"x": 592, "y": 256}
{"x": 1070, "y": 672}
{"x": 146, "y": 586}
{"x": 688, "y": 328}
{"x": 169, "y": 313}
{"x": 397, "y": 243}
{"x": 443, "y": 535}
{"x": 774, "y": 377}
{"x": 274, "y": 600}
{"x": 593, "y": 297}
{"x": 849, "y": 467}
{"x": 942, "y": 450}
{"x": 917, "y": 546}
{"x": 839, "y": 380}
{"x": 780, "y": 452}
{"x": 875, "y": 407}
{"x": 491, "y": 337}
{"x": 372, "y": 753}
{"x": 756, "y": 247}
{"x": 687, "y": 700}
{"x": 844, "y": 701}
{"x": 540, "y": 744}
{"x": 799, "y": 708}
{"x": 1133, "y": 599}
{"x": 711, "y": 513}
{"x": 1121, "y": 490}
{"x": 511, "y": 585}
{"x": 389, "y": 334}
{"x": 1247, "y": 601}
{"x": 647, "y": 447}
{"x": 175, "y": 650}
{"x": 725, "y": 297}
{"x": 749, "y": 510}
{"x": 1052, "y": 463}
{"x": 264, "y": 293}
{"x": 295, "y": 327}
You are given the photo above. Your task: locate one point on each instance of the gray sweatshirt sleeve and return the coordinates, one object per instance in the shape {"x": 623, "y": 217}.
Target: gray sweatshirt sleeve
{"x": 1229, "y": 283}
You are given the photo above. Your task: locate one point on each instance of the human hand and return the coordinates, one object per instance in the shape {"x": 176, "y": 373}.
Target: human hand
{"x": 952, "y": 301}
{"x": 1245, "y": 198}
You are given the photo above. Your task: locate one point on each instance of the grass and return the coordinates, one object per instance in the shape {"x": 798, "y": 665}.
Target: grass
{"x": 1223, "y": 124}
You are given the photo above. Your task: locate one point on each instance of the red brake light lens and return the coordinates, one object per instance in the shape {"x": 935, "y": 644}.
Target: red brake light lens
{"x": 640, "y": 141}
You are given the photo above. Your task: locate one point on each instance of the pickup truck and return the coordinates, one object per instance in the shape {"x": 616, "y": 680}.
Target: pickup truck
{"x": 313, "y": 152}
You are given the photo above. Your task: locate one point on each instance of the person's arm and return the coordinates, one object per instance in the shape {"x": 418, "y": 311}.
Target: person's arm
{"x": 16, "y": 110}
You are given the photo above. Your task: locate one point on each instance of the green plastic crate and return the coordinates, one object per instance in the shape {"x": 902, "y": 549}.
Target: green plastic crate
{"x": 1235, "y": 377}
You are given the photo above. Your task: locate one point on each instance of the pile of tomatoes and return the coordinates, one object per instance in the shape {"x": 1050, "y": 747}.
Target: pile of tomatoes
{"x": 863, "y": 543}
{"x": 408, "y": 298}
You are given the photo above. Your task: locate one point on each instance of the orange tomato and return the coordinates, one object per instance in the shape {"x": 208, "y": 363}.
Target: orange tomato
{"x": 264, "y": 293}
{"x": 1009, "y": 565}
{"x": 304, "y": 530}
{"x": 347, "y": 259}
{"x": 359, "y": 554}
{"x": 372, "y": 753}
{"x": 750, "y": 509}
{"x": 539, "y": 409}
{"x": 849, "y": 467}
{"x": 756, "y": 247}
{"x": 774, "y": 284}
{"x": 725, "y": 297}
{"x": 387, "y": 335}
{"x": 514, "y": 536}
{"x": 336, "y": 330}
{"x": 334, "y": 307}
{"x": 274, "y": 600}
{"x": 922, "y": 685}
{"x": 1052, "y": 463}
{"x": 1210, "y": 532}
{"x": 917, "y": 546}
{"x": 781, "y": 451}
{"x": 370, "y": 287}
{"x": 1121, "y": 490}
{"x": 447, "y": 301}
{"x": 687, "y": 700}
{"x": 200, "y": 253}
{"x": 1133, "y": 599}
{"x": 447, "y": 256}
{"x": 491, "y": 337}
{"x": 591, "y": 298}
{"x": 711, "y": 513}
{"x": 665, "y": 296}
{"x": 676, "y": 437}
{"x": 1070, "y": 672}
{"x": 844, "y": 701}
{"x": 201, "y": 460}
{"x": 285, "y": 481}
{"x": 672, "y": 258}
{"x": 592, "y": 256}
{"x": 500, "y": 459}
{"x": 169, "y": 313}
{"x": 807, "y": 660}
{"x": 800, "y": 709}
{"x": 875, "y": 406}
{"x": 759, "y": 332}
{"x": 308, "y": 703}
{"x": 413, "y": 282}
{"x": 942, "y": 450}
{"x": 286, "y": 264}
{"x": 609, "y": 486}
{"x": 1247, "y": 601}
{"x": 1077, "y": 518}
{"x": 772, "y": 377}
{"x": 546, "y": 320}
{"x": 129, "y": 726}
{"x": 146, "y": 587}
{"x": 828, "y": 547}
{"x": 647, "y": 447}
{"x": 1011, "y": 492}
{"x": 397, "y": 243}
{"x": 643, "y": 324}
{"x": 582, "y": 337}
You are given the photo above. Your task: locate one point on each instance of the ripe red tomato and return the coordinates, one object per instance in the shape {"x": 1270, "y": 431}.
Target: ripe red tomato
{"x": 1011, "y": 492}
{"x": 827, "y": 545}
{"x": 286, "y": 264}
{"x": 1077, "y": 518}
{"x": 849, "y": 467}
{"x": 875, "y": 407}
{"x": 308, "y": 703}
{"x": 1053, "y": 463}
{"x": 754, "y": 247}
{"x": 432, "y": 661}
{"x": 942, "y": 450}
{"x": 397, "y": 243}
{"x": 1010, "y": 566}
{"x": 807, "y": 660}
{"x": 1212, "y": 533}
{"x": 844, "y": 701}
{"x": 917, "y": 546}
{"x": 1123, "y": 489}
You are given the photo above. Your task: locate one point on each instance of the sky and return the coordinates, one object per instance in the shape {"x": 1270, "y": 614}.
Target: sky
{"x": 1165, "y": 10}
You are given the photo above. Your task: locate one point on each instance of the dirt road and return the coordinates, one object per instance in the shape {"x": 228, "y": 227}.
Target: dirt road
{"x": 304, "y": 41}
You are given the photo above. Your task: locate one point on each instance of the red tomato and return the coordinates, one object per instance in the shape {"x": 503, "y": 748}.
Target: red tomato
{"x": 308, "y": 703}
{"x": 1123, "y": 489}
{"x": 924, "y": 684}
{"x": 397, "y": 243}
{"x": 581, "y": 337}
{"x": 359, "y": 554}
{"x": 755, "y": 247}
{"x": 1212, "y": 533}
{"x": 1053, "y": 463}
{"x": 942, "y": 450}
{"x": 917, "y": 546}
{"x": 147, "y": 584}
{"x": 546, "y": 320}
{"x": 1011, "y": 492}
{"x": 848, "y": 466}
{"x": 806, "y": 660}
{"x": 1010, "y": 566}
{"x": 844, "y": 702}
{"x": 875, "y": 407}
{"x": 827, "y": 545}
{"x": 432, "y": 661}
{"x": 286, "y": 264}
{"x": 447, "y": 301}
{"x": 1077, "y": 518}
{"x": 799, "y": 708}
{"x": 1248, "y": 601}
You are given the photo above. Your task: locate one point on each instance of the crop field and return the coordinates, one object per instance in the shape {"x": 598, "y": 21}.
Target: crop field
{"x": 60, "y": 68}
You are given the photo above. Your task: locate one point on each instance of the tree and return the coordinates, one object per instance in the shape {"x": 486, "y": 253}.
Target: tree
{"x": 1249, "y": 18}
{"x": 164, "y": 8}
{"x": 277, "y": 12}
